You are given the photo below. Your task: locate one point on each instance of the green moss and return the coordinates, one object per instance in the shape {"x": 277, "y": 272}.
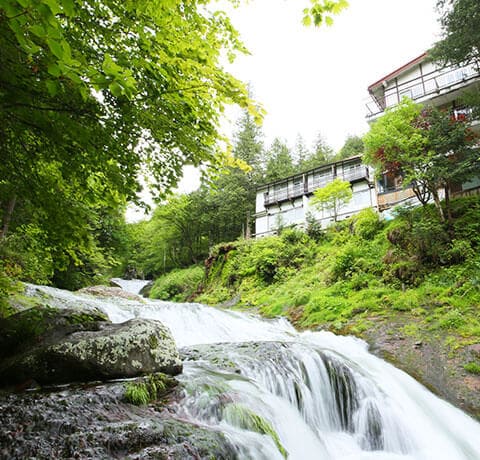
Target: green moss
{"x": 87, "y": 318}
{"x": 148, "y": 389}
{"x": 243, "y": 417}
{"x": 473, "y": 368}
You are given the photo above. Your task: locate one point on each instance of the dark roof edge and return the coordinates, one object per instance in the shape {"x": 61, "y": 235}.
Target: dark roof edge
{"x": 398, "y": 71}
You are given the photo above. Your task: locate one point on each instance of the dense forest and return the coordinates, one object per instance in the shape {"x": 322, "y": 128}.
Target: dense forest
{"x": 79, "y": 133}
{"x": 240, "y": 347}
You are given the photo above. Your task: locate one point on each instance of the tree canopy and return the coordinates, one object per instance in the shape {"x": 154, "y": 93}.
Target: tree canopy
{"x": 332, "y": 197}
{"x": 460, "y": 44}
{"x": 430, "y": 148}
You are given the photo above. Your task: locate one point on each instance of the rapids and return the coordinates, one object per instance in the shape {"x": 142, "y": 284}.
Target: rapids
{"x": 277, "y": 393}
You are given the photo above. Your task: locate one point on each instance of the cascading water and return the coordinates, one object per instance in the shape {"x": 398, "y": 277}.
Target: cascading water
{"x": 276, "y": 393}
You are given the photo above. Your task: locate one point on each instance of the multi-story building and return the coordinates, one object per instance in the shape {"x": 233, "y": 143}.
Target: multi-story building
{"x": 286, "y": 202}
{"x": 425, "y": 82}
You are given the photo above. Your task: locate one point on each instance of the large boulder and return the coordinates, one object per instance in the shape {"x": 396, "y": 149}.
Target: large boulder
{"x": 60, "y": 346}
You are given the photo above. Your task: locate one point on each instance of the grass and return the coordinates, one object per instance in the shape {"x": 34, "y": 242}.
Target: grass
{"x": 360, "y": 271}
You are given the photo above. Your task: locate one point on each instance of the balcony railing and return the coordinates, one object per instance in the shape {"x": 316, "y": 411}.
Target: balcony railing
{"x": 297, "y": 190}
{"x": 431, "y": 83}
{"x": 358, "y": 173}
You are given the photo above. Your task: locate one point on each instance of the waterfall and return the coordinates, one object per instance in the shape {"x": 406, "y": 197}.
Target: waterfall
{"x": 277, "y": 393}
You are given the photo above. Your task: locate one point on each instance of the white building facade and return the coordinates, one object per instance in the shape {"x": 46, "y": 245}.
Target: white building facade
{"x": 425, "y": 82}
{"x": 286, "y": 202}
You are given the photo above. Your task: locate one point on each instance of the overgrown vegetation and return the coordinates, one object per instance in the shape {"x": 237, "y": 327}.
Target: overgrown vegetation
{"x": 178, "y": 285}
{"x": 360, "y": 270}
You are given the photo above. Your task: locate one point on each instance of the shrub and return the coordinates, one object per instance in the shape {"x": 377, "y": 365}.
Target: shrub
{"x": 367, "y": 224}
{"x": 178, "y": 285}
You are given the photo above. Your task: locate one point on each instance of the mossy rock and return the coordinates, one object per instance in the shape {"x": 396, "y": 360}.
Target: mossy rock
{"x": 42, "y": 324}
{"x": 243, "y": 417}
{"x": 52, "y": 346}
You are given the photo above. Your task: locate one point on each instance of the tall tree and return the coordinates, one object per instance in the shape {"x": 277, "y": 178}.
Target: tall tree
{"x": 460, "y": 44}
{"x": 353, "y": 146}
{"x": 429, "y": 147}
{"x": 301, "y": 152}
{"x": 321, "y": 153}
{"x": 279, "y": 161}
{"x": 91, "y": 92}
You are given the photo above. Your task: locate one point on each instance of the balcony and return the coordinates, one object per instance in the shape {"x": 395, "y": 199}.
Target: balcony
{"x": 393, "y": 197}
{"x": 355, "y": 174}
{"x": 425, "y": 86}
{"x": 297, "y": 190}
{"x": 286, "y": 194}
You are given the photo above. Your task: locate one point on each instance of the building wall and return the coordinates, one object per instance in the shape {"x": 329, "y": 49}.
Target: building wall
{"x": 274, "y": 210}
{"x": 424, "y": 82}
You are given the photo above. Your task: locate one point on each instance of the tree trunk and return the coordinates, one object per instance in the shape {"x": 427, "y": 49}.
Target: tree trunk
{"x": 7, "y": 216}
{"x": 449, "y": 211}
{"x": 438, "y": 205}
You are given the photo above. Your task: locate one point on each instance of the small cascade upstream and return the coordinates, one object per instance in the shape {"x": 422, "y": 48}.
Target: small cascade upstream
{"x": 276, "y": 393}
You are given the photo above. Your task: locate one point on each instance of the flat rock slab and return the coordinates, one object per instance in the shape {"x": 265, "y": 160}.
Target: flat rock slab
{"x": 110, "y": 291}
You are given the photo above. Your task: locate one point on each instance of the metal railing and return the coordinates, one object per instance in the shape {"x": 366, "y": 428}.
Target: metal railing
{"x": 294, "y": 191}
{"x": 424, "y": 85}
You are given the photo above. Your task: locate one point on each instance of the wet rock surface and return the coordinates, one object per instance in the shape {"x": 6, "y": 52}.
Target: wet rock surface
{"x": 430, "y": 361}
{"x": 94, "y": 422}
{"x": 52, "y": 345}
{"x": 109, "y": 291}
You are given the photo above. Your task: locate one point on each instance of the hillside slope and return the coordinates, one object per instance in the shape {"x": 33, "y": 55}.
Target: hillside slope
{"x": 410, "y": 287}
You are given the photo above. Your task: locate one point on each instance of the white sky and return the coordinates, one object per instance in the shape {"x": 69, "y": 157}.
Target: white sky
{"x": 314, "y": 80}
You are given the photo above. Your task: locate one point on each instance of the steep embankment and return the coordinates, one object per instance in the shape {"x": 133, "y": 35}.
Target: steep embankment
{"x": 410, "y": 287}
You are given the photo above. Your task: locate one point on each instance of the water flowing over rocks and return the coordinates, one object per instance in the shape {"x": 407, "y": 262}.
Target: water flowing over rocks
{"x": 250, "y": 389}
{"x": 93, "y": 422}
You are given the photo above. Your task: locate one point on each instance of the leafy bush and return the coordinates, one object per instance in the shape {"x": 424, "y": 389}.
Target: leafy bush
{"x": 367, "y": 224}
{"x": 178, "y": 285}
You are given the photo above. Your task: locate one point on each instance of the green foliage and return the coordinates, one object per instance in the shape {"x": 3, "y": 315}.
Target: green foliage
{"x": 426, "y": 146}
{"x": 100, "y": 92}
{"x": 321, "y": 11}
{"x": 405, "y": 270}
{"x": 322, "y": 153}
{"x": 137, "y": 394}
{"x": 367, "y": 224}
{"x": 178, "y": 285}
{"x": 473, "y": 368}
{"x": 279, "y": 161}
{"x": 453, "y": 319}
{"x": 148, "y": 389}
{"x": 243, "y": 417}
{"x": 333, "y": 196}
{"x": 353, "y": 146}
{"x": 314, "y": 228}
{"x": 460, "y": 43}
